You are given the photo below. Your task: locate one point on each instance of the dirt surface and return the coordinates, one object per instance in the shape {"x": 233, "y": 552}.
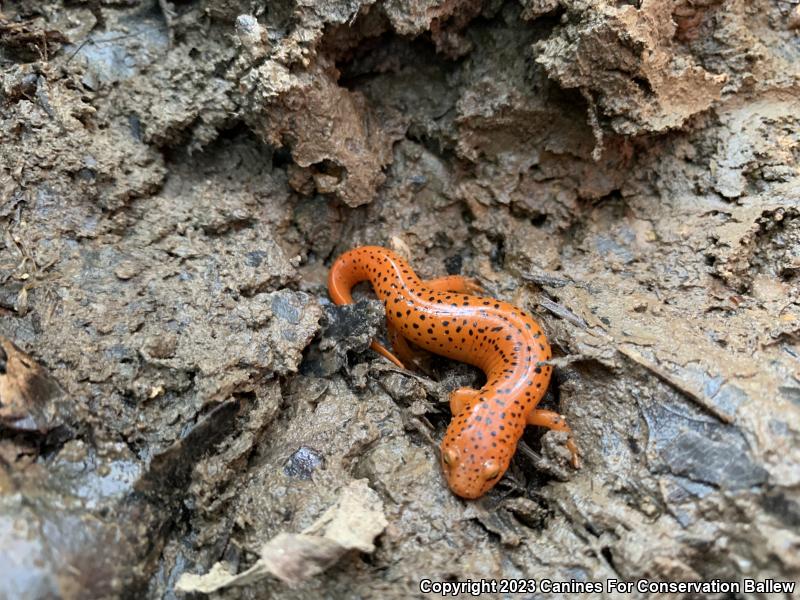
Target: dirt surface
{"x": 177, "y": 391}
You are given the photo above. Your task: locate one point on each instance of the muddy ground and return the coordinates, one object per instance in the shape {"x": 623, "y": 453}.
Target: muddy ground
{"x": 176, "y": 178}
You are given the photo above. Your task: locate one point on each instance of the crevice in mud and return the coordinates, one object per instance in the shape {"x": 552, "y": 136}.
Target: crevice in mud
{"x": 238, "y": 132}
{"x": 497, "y": 256}
{"x": 282, "y": 158}
{"x": 235, "y": 132}
{"x": 168, "y": 472}
{"x": 606, "y": 553}
{"x": 137, "y": 448}
{"x": 42, "y": 445}
{"x": 438, "y": 146}
{"x": 262, "y": 437}
{"x": 376, "y": 55}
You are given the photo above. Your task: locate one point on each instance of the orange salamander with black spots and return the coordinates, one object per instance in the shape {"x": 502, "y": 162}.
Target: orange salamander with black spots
{"x": 443, "y": 317}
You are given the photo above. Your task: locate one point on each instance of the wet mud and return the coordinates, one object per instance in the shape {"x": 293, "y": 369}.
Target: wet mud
{"x": 179, "y": 397}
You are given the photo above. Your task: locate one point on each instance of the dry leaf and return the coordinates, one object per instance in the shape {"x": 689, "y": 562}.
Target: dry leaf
{"x": 29, "y": 396}
{"x": 352, "y": 523}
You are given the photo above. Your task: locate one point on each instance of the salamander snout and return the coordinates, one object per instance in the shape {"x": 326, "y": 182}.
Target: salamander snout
{"x": 469, "y": 474}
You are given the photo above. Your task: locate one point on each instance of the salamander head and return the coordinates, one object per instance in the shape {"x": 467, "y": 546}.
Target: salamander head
{"x": 471, "y": 473}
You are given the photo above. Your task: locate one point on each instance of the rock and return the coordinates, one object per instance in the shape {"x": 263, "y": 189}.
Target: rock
{"x": 346, "y": 328}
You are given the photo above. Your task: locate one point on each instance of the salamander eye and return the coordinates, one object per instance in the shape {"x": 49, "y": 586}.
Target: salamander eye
{"x": 491, "y": 469}
{"x": 450, "y": 456}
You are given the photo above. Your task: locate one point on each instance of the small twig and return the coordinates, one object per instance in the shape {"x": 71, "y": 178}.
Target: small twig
{"x": 542, "y": 278}
{"x": 674, "y": 382}
{"x": 563, "y": 312}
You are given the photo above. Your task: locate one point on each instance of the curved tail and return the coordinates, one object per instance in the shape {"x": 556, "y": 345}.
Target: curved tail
{"x": 347, "y": 271}
{"x": 350, "y": 269}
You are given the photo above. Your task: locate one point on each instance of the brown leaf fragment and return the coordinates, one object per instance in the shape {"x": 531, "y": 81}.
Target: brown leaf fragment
{"x": 352, "y": 523}
{"x": 28, "y": 394}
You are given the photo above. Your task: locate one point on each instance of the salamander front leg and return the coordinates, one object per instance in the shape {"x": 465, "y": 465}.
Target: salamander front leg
{"x": 410, "y": 357}
{"x": 553, "y": 420}
{"x": 461, "y": 398}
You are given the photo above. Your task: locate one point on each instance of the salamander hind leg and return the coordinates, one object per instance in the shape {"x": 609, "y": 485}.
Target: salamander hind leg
{"x": 553, "y": 420}
{"x": 410, "y": 357}
{"x": 461, "y": 398}
{"x": 455, "y": 283}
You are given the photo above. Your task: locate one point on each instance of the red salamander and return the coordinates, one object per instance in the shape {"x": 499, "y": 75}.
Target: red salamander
{"x": 443, "y": 317}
